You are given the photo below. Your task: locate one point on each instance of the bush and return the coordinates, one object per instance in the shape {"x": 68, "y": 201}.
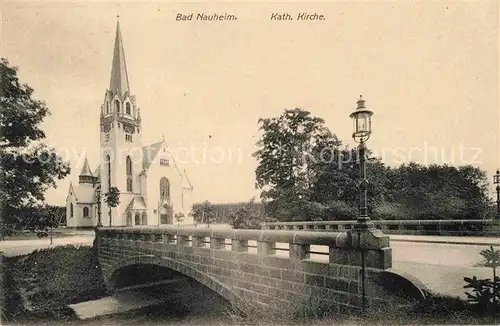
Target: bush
{"x": 11, "y": 302}
{"x": 51, "y": 279}
{"x": 486, "y": 292}
{"x": 245, "y": 217}
{"x": 340, "y": 210}
{"x": 389, "y": 211}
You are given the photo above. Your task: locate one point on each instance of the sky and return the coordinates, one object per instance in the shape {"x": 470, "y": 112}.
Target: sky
{"x": 428, "y": 70}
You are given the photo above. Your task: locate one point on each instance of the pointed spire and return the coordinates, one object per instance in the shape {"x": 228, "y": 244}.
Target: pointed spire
{"x": 119, "y": 77}
{"x": 86, "y": 172}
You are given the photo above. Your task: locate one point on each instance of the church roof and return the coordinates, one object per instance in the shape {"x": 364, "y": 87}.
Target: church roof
{"x": 189, "y": 184}
{"x": 137, "y": 203}
{"x": 149, "y": 154}
{"x": 86, "y": 169}
{"x": 84, "y": 194}
{"x": 97, "y": 172}
{"x": 119, "y": 77}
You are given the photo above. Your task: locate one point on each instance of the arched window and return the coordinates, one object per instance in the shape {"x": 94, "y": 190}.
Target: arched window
{"x": 117, "y": 105}
{"x": 127, "y": 108}
{"x": 129, "y": 219}
{"x": 129, "y": 173}
{"x": 85, "y": 212}
{"x": 71, "y": 210}
{"x": 144, "y": 219}
{"x": 165, "y": 190}
{"x": 107, "y": 107}
{"x": 137, "y": 219}
{"x": 108, "y": 170}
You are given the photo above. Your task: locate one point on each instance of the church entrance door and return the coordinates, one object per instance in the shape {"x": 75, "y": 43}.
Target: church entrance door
{"x": 167, "y": 215}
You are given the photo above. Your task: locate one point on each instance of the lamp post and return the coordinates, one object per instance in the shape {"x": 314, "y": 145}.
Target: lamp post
{"x": 98, "y": 195}
{"x": 362, "y": 125}
{"x": 496, "y": 180}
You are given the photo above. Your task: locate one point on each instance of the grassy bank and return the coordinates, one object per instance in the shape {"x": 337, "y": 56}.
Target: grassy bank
{"x": 43, "y": 283}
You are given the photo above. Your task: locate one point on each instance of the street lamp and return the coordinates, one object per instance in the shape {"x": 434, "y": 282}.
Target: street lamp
{"x": 362, "y": 125}
{"x": 98, "y": 196}
{"x": 496, "y": 180}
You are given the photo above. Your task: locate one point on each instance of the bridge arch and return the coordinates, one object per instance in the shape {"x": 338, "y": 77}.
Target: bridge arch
{"x": 111, "y": 274}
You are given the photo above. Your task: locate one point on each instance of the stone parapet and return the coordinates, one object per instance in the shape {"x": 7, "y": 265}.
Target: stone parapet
{"x": 262, "y": 270}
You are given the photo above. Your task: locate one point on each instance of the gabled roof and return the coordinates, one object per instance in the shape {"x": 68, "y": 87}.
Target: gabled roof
{"x": 188, "y": 184}
{"x": 137, "y": 203}
{"x": 149, "y": 153}
{"x": 71, "y": 190}
{"x": 84, "y": 194}
{"x": 119, "y": 78}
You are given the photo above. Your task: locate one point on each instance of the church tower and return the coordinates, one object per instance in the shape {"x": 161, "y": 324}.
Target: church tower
{"x": 120, "y": 137}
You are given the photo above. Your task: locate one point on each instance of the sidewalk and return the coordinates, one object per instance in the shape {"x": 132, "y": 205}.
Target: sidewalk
{"x": 22, "y": 247}
{"x": 480, "y": 241}
{"x": 448, "y": 280}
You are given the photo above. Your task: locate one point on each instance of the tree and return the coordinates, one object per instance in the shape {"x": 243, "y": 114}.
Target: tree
{"x": 29, "y": 167}
{"x": 246, "y": 217}
{"x": 179, "y": 217}
{"x": 203, "y": 213}
{"x": 286, "y": 160}
{"x": 112, "y": 199}
{"x": 440, "y": 191}
{"x": 47, "y": 218}
{"x": 337, "y": 182}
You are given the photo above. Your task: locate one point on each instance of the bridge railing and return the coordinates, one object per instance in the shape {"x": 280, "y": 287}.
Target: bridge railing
{"x": 332, "y": 247}
{"x": 479, "y": 227}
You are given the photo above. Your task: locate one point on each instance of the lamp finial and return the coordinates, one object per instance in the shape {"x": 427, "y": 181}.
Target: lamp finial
{"x": 361, "y": 102}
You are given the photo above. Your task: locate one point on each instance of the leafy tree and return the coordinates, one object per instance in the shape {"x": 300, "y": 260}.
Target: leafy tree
{"x": 440, "y": 191}
{"x": 45, "y": 219}
{"x": 286, "y": 159}
{"x": 29, "y": 167}
{"x": 306, "y": 175}
{"x": 112, "y": 199}
{"x": 179, "y": 217}
{"x": 246, "y": 217}
{"x": 203, "y": 213}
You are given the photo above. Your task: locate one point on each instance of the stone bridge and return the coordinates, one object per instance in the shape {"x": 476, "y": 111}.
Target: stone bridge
{"x": 477, "y": 227}
{"x": 266, "y": 271}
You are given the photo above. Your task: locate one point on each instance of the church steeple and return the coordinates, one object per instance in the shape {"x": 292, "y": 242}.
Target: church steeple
{"x": 86, "y": 174}
{"x": 119, "y": 77}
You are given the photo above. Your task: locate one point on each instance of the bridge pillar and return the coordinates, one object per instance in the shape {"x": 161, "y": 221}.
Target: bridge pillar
{"x": 181, "y": 239}
{"x": 239, "y": 245}
{"x": 198, "y": 241}
{"x": 299, "y": 251}
{"x": 266, "y": 248}
{"x": 217, "y": 243}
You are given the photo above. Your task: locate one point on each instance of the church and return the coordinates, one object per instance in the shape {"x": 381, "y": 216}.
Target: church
{"x": 154, "y": 190}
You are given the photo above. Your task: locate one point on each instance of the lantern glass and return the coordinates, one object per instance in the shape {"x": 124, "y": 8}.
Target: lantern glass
{"x": 362, "y": 123}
